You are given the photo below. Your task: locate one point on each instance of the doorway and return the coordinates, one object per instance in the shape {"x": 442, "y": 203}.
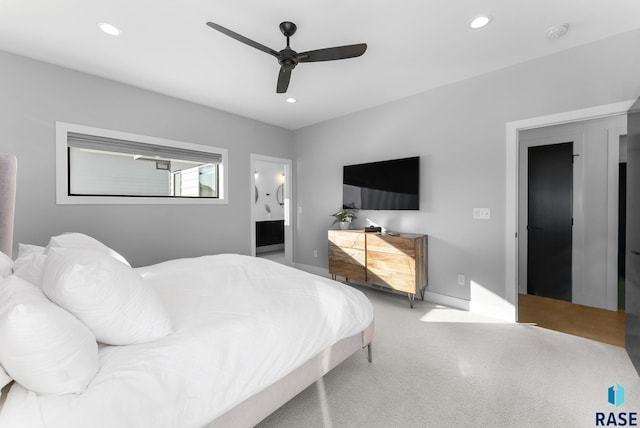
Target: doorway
{"x": 568, "y": 228}
{"x": 270, "y": 193}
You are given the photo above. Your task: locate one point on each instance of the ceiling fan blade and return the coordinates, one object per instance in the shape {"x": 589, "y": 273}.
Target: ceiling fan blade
{"x": 243, "y": 39}
{"x": 330, "y": 54}
{"x": 283, "y": 80}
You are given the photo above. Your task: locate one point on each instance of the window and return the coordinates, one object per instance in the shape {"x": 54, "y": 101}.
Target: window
{"x": 199, "y": 181}
{"x": 99, "y": 166}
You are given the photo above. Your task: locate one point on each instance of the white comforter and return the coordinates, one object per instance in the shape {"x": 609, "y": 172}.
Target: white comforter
{"x": 240, "y": 323}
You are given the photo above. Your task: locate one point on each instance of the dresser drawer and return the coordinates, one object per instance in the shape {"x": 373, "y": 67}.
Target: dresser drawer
{"x": 348, "y": 257}
{"x": 398, "y": 281}
{"x": 347, "y": 239}
{"x": 391, "y": 244}
{"x": 380, "y": 262}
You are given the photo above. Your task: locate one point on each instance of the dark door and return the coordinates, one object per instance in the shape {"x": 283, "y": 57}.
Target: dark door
{"x": 632, "y": 277}
{"x": 622, "y": 231}
{"x": 549, "y": 224}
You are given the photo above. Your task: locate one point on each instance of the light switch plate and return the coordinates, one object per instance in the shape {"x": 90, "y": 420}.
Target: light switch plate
{"x": 482, "y": 213}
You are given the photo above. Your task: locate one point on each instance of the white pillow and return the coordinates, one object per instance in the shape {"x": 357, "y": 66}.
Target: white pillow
{"x": 30, "y": 267}
{"x": 80, "y": 240}
{"x": 21, "y": 409}
{"x": 4, "y": 378}
{"x": 29, "y": 263}
{"x": 42, "y": 346}
{"x": 28, "y": 249}
{"x": 111, "y": 298}
{"x": 6, "y": 265}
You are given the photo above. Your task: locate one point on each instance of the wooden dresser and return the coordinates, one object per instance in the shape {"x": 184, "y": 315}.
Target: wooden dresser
{"x": 394, "y": 261}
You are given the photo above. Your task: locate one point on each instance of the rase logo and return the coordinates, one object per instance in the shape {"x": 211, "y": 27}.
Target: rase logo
{"x": 615, "y": 397}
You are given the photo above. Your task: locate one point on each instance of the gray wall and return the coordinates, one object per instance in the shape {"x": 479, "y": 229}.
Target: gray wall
{"x": 36, "y": 94}
{"x": 459, "y": 133}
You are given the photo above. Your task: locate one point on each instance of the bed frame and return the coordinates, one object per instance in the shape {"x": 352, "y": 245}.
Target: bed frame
{"x": 255, "y": 408}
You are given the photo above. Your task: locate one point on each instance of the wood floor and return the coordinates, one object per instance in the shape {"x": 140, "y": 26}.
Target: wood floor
{"x": 584, "y": 321}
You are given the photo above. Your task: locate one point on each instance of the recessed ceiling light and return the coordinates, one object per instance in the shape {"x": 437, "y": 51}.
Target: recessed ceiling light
{"x": 110, "y": 29}
{"x": 291, "y": 100}
{"x": 480, "y": 21}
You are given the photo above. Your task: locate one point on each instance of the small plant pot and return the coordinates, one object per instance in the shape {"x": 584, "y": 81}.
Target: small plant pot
{"x": 344, "y": 225}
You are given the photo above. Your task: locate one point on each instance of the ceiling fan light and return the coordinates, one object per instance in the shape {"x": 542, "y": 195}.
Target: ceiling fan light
{"x": 480, "y": 21}
{"x": 109, "y": 29}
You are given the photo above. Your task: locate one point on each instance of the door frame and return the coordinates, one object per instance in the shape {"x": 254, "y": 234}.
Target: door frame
{"x": 512, "y": 154}
{"x": 288, "y": 203}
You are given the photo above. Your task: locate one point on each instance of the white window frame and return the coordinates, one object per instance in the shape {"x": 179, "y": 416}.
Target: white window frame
{"x": 62, "y": 167}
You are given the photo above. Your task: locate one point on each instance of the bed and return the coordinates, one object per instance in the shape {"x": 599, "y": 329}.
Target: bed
{"x": 235, "y": 337}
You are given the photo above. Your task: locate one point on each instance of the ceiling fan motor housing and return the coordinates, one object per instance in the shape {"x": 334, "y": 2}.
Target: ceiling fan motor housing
{"x": 288, "y": 58}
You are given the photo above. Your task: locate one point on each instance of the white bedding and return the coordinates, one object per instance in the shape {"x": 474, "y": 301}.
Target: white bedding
{"x": 240, "y": 323}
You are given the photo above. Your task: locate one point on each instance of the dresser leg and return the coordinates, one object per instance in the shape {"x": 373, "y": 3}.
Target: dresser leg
{"x": 412, "y": 298}
{"x": 369, "y": 354}
{"x": 422, "y": 294}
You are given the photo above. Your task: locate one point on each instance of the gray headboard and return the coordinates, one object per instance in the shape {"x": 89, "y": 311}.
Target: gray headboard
{"x": 8, "y": 172}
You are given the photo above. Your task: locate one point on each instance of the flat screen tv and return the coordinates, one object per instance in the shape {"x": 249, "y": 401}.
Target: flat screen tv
{"x": 386, "y": 185}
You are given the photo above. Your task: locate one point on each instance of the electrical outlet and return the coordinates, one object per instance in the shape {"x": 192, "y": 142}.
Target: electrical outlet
{"x": 315, "y": 253}
{"x": 461, "y": 280}
{"x": 482, "y": 213}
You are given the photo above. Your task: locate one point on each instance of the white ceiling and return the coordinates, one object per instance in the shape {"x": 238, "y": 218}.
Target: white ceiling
{"x": 413, "y": 46}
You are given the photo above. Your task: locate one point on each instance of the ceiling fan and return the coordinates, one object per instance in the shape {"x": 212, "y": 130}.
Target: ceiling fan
{"x": 288, "y": 58}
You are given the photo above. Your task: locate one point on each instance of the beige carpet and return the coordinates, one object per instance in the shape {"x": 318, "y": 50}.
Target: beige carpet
{"x": 438, "y": 367}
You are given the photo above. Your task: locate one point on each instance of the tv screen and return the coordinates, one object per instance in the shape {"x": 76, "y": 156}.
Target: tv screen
{"x": 385, "y": 185}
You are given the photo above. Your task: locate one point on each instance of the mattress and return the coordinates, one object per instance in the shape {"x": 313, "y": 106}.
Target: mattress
{"x": 240, "y": 324}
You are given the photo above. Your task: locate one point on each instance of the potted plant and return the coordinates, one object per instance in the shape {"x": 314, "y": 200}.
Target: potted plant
{"x": 344, "y": 216}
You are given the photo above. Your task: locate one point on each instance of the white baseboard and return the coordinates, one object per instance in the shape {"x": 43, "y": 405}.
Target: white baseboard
{"x": 437, "y": 298}
{"x": 442, "y": 299}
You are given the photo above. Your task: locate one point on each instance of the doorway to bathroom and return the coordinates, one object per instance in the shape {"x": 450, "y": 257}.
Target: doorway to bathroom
{"x": 271, "y": 185}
